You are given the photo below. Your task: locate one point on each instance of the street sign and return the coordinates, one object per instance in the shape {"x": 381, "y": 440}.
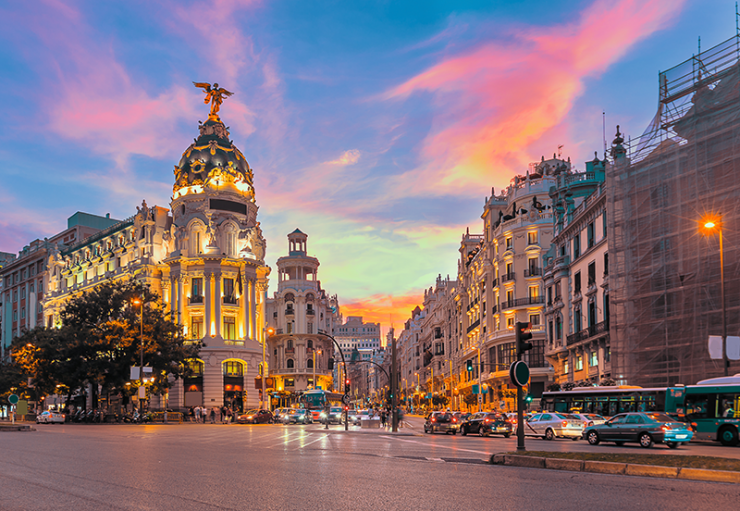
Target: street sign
{"x": 13, "y": 399}
{"x": 519, "y": 373}
{"x": 345, "y": 399}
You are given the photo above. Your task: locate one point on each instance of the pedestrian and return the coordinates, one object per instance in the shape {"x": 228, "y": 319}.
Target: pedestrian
{"x": 213, "y": 415}
{"x": 383, "y": 417}
{"x": 196, "y": 413}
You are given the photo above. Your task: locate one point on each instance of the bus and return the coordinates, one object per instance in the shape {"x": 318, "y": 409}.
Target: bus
{"x": 711, "y": 406}
{"x": 606, "y": 401}
{"x": 314, "y": 401}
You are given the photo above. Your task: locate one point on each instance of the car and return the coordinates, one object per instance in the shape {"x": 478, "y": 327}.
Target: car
{"x": 50, "y": 417}
{"x": 278, "y": 413}
{"x": 590, "y": 419}
{"x": 645, "y": 428}
{"x": 551, "y": 425}
{"x": 496, "y": 423}
{"x": 472, "y": 423}
{"x": 255, "y": 417}
{"x": 298, "y": 416}
{"x": 353, "y": 417}
{"x": 441, "y": 421}
{"x": 336, "y": 415}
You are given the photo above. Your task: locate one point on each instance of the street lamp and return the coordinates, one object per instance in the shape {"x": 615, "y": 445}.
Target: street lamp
{"x": 140, "y": 303}
{"x": 709, "y": 225}
{"x": 269, "y": 331}
{"x": 314, "y": 366}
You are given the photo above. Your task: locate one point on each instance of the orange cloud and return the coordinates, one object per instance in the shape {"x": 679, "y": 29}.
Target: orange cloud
{"x": 494, "y": 101}
{"x": 385, "y": 309}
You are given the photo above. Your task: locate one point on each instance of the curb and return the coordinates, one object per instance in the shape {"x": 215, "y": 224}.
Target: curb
{"x": 605, "y": 467}
{"x": 16, "y": 427}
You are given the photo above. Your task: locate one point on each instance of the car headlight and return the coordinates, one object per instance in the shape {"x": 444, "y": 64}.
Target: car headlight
{"x": 323, "y": 415}
{"x": 300, "y": 416}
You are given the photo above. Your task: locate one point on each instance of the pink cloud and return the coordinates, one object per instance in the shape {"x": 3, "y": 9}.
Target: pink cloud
{"x": 493, "y": 101}
{"x": 385, "y": 309}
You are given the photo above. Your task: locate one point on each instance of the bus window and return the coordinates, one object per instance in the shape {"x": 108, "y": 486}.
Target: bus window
{"x": 700, "y": 406}
{"x": 561, "y": 405}
{"x": 729, "y": 406}
{"x": 613, "y": 407}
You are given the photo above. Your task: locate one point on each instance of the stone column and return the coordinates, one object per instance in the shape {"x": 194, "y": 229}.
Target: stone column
{"x": 217, "y": 302}
{"x": 207, "y": 303}
{"x": 244, "y": 307}
{"x": 253, "y": 309}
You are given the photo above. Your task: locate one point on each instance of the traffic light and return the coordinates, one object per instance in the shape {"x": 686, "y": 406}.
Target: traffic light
{"x": 331, "y": 364}
{"x": 522, "y": 336}
{"x": 346, "y": 386}
{"x": 470, "y": 365}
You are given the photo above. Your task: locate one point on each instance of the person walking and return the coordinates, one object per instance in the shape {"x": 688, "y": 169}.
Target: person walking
{"x": 213, "y": 415}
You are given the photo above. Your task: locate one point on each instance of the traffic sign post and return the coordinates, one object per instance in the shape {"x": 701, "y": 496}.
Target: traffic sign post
{"x": 13, "y": 400}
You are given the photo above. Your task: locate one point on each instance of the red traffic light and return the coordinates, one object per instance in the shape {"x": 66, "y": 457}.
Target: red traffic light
{"x": 346, "y": 382}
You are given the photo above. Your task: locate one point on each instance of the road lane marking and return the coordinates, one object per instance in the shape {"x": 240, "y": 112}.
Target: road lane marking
{"x": 309, "y": 443}
{"x": 428, "y": 445}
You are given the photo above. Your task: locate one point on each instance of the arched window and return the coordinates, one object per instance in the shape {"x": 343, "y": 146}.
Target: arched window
{"x": 290, "y": 364}
{"x": 309, "y": 363}
{"x": 197, "y": 238}
{"x": 230, "y": 240}
{"x": 233, "y": 368}
{"x": 289, "y": 297}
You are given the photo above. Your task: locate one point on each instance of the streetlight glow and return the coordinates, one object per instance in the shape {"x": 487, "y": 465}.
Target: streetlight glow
{"x": 709, "y": 225}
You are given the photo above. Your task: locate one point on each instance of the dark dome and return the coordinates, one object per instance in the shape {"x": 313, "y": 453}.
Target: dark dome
{"x": 212, "y": 156}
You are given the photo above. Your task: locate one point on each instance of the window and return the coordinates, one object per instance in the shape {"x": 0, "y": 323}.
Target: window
{"x": 309, "y": 344}
{"x": 506, "y": 354}
{"x": 577, "y": 283}
{"x": 559, "y": 327}
{"x": 196, "y": 327}
{"x": 229, "y": 288}
{"x": 603, "y": 221}
{"x": 577, "y": 319}
{"x": 309, "y": 363}
{"x": 534, "y": 294}
{"x": 229, "y": 327}
{"x": 566, "y": 367}
{"x": 729, "y": 406}
{"x": 606, "y": 264}
{"x": 289, "y": 344}
{"x": 536, "y": 356}
{"x": 23, "y": 293}
{"x": 23, "y": 313}
{"x": 233, "y": 368}
{"x": 196, "y": 289}
{"x": 532, "y": 266}
{"x": 608, "y": 355}
{"x": 532, "y": 238}
{"x": 551, "y": 332}
{"x": 534, "y": 319}
{"x": 509, "y": 268}
{"x": 591, "y": 313}
{"x": 508, "y": 243}
{"x": 579, "y": 363}
{"x": 577, "y": 246}
{"x": 594, "y": 362}
{"x": 290, "y": 363}
{"x": 15, "y": 315}
{"x": 590, "y": 235}
{"x": 591, "y": 274}
{"x": 509, "y": 295}
{"x": 289, "y": 382}
{"x": 510, "y": 322}
{"x": 700, "y": 406}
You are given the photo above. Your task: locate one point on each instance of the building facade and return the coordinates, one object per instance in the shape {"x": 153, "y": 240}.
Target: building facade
{"x": 577, "y": 279}
{"x": 204, "y": 257}
{"x": 300, "y": 313}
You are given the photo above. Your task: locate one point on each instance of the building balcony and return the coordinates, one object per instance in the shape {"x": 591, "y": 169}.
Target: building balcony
{"x": 495, "y": 282}
{"x": 523, "y": 302}
{"x": 289, "y": 312}
{"x": 195, "y": 299}
{"x": 587, "y": 333}
{"x": 533, "y": 272}
{"x": 508, "y": 277}
{"x": 289, "y": 351}
{"x": 310, "y": 312}
{"x": 230, "y": 300}
{"x": 474, "y": 325}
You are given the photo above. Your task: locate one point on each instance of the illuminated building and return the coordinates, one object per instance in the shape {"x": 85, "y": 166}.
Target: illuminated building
{"x": 299, "y": 312}
{"x": 204, "y": 257}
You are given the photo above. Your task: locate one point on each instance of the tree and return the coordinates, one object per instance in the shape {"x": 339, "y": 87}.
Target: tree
{"x": 440, "y": 400}
{"x": 470, "y": 399}
{"x": 100, "y": 338}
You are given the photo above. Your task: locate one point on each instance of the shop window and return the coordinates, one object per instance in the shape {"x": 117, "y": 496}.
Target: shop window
{"x": 289, "y": 382}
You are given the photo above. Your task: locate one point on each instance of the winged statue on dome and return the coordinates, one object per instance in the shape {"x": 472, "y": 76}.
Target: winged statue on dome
{"x": 215, "y": 95}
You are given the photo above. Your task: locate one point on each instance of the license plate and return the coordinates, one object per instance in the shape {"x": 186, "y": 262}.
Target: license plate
{"x": 680, "y": 436}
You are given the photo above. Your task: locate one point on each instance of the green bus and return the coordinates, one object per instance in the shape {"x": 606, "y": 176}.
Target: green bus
{"x": 711, "y": 406}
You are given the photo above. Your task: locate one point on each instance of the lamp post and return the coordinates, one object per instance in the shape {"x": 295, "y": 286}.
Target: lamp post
{"x": 267, "y": 332}
{"x": 314, "y": 366}
{"x": 452, "y": 385}
{"x": 140, "y": 302}
{"x": 346, "y": 374}
{"x": 709, "y": 224}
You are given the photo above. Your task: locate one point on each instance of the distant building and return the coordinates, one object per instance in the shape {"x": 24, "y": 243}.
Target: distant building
{"x": 300, "y": 311}
{"x": 26, "y": 279}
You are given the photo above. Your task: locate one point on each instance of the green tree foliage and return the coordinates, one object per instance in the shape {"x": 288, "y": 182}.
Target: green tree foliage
{"x": 470, "y": 399}
{"x": 440, "y": 400}
{"x": 100, "y": 338}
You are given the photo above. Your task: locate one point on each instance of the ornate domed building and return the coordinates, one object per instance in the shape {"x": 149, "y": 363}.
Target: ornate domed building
{"x": 205, "y": 257}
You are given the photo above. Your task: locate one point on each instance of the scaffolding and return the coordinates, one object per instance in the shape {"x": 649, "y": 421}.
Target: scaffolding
{"x": 664, "y": 275}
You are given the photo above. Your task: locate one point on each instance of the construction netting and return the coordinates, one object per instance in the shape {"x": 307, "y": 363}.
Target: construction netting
{"x": 664, "y": 275}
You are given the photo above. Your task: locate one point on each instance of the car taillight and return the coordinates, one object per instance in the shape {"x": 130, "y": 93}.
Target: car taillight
{"x": 565, "y": 423}
{"x": 487, "y": 420}
{"x": 590, "y": 423}
{"x": 454, "y": 419}
{"x": 433, "y": 419}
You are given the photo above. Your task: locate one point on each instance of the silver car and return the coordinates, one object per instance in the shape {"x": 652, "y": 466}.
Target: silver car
{"x": 551, "y": 425}
{"x": 590, "y": 419}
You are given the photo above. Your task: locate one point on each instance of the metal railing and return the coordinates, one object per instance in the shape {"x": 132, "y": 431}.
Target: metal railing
{"x": 587, "y": 333}
{"x": 506, "y": 277}
{"x": 533, "y": 272}
{"x": 474, "y": 325}
{"x": 195, "y": 299}
{"x": 521, "y": 302}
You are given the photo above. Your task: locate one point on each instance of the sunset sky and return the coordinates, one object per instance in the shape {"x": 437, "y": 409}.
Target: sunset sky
{"x": 378, "y": 128}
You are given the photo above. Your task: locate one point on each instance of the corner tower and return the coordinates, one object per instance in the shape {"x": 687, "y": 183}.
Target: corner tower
{"x": 218, "y": 275}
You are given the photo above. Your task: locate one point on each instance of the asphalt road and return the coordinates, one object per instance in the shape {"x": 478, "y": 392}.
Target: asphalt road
{"x": 181, "y": 467}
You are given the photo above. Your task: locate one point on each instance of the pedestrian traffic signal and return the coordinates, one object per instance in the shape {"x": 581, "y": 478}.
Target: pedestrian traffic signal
{"x": 523, "y": 334}
{"x": 470, "y": 365}
{"x": 528, "y": 399}
{"x": 346, "y": 386}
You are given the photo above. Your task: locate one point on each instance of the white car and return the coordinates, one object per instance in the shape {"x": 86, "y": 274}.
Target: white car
{"x": 590, "y": 419}
{"x": 50, "y": 417}
{"x": 550, "y": 425}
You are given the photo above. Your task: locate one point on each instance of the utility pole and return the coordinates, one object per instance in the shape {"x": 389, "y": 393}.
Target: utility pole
{"x": 394, "y": 387}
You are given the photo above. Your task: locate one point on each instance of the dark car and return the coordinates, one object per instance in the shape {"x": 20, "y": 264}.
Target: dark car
{"x": 497, "y": 424}
{"x": 441, "y": 421}
{"x": 472, "y": 423}
{"x": 644, "y": 428}
{"x": 336, "y": 415}
{"x": 255, "y": 417}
